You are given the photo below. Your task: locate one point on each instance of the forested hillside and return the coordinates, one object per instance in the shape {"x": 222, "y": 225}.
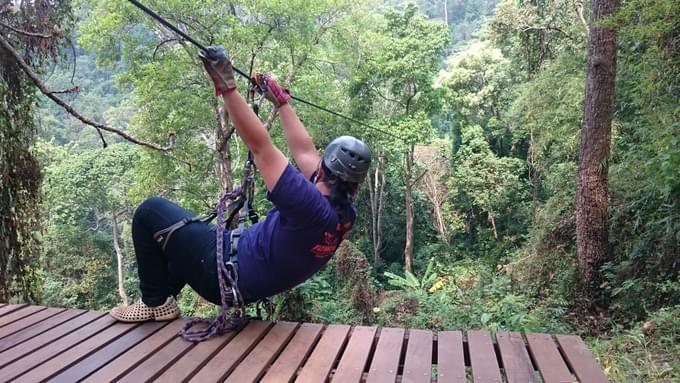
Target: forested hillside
{"x": 477, "y": 113}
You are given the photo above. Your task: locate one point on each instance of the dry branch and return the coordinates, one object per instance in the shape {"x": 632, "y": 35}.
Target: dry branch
{"x": 26, "y": 33}
{"x": 52, "y": 95}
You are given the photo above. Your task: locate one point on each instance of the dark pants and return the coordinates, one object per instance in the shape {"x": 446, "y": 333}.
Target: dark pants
{"x": 189, "y": 257}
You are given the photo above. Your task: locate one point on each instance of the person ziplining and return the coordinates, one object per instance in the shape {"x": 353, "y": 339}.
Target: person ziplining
{"x": 313, "y": 212}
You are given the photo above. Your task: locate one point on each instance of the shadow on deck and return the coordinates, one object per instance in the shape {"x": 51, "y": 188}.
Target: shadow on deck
{"x": 65, "y": 345}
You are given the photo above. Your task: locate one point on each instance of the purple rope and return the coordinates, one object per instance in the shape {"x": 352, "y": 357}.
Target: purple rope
{"x": 229, "y": 292}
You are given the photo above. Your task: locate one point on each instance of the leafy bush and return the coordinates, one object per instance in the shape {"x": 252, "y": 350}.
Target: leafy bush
{"x": 410, "y": 282}
{"x": 468, "y": 295}
{"x": 648, "y": 352}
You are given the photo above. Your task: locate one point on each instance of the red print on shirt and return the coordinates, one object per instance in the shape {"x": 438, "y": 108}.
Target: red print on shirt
{"x": 331, "y": 241}
{"x": 327, "y": 247}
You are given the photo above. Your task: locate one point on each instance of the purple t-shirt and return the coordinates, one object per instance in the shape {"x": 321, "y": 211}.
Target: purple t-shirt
{"x": 298, "y": 237}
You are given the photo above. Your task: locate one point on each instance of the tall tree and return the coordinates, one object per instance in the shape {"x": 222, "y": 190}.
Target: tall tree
{"x": 36, "y": 27}
{"x": 592, "y": 189}
{"x": 396, "y": 84}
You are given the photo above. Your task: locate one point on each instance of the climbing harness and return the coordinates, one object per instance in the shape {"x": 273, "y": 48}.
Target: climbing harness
{"x": 227, "y": 277}
{"x": 227, "y": 268}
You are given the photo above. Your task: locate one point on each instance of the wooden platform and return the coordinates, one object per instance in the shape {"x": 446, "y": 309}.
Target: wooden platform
{"x": 59, "y": 345}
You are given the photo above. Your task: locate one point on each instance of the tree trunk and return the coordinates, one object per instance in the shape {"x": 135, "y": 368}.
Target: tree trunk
{"x": 591, "y": 185}
{"x": 441, "y": 225}
{"x": 119, "y": 258}
{"x": 408, "y": 180}
{"x": 376, "y": 192}
{"x": 492, "y": 221}
{"x": 534, "y": 169}
{"x": 433, "y": 184}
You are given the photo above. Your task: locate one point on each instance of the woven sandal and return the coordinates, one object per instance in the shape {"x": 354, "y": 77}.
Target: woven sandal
{"x": 140, "y": 312}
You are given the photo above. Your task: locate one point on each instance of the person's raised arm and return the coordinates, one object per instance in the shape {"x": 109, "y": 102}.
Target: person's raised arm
{"x": 268, "y": 158}
{"x": 299, "y": 141}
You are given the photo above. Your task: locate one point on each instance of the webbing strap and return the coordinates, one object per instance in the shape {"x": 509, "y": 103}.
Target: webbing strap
{"x": 162, "y": 237}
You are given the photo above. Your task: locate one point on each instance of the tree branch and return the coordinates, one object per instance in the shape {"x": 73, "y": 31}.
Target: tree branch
{"x": 417, "y": 179}
{"x": 159, "y": 45}
{"x": 27, "y": 33}
{"x": 74, "y": 89}
{"x": 394, "y": 100}
{"x": 549, "y": 28}
{"x": 51, "y": 95}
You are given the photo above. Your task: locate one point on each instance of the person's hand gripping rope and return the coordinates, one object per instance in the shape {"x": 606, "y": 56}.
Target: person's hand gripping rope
{"x": 218, "y": 66}
{"x": 270, "y": 89}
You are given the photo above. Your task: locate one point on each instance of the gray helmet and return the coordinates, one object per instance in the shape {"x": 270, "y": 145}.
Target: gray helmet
{"x": 347, "y": 158}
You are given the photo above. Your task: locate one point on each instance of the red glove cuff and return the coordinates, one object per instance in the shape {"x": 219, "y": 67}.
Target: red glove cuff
{"x": 281, "y": 95}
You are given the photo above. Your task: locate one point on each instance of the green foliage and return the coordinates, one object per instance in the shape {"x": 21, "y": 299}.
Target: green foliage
{"x": 393, "y": 83}
{"x": 467, "y": 296}
{"x": 647, "y": 352}
{"x": 409, "y": 282}
{"x": 299, "y": 304}
{"x": 645, "y": 207}
{"x": 83, "y": 189}
{"x": 464, "y": 17}
{"x": 476, "y": 81}
{"x": 532, "y": 34}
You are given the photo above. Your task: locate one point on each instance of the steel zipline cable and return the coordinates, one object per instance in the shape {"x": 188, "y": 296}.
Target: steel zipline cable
{"x": 200, "y": 46}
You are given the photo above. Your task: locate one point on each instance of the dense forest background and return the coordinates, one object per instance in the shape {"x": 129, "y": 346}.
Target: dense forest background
{"x": 468, "y": 220}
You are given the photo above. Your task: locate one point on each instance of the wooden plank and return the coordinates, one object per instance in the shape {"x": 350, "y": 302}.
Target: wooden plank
{"x": 318, "y": 366}
{"x": 286, "y": 365}
{"x": 37, "y": 329}
{"x": 19, "y": 314}
{"x": 131, "y": 358}
{"x": 228, "y": 357}
{"x": 418, "y": 362}
{"x": 548, "y": 359}
{"x": 385, "y": 364}
{"x": 74, "y": 354}
{"x": 28, "y": 321}
{"x": 483, "y": 358}
{"x": 104, "y": 355}
{"x": 254, "y": 365}
{"x": 158, "y": 362}
{"x": 49, "y": 346}
{"x": 355, "y": 357}
{"x": 4, "y": 310}
{"x": 450, "y": 357}
{"x": 581, "y": 360}
{"x": 515, "y": 357}
{"x": 190, "y": 362}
